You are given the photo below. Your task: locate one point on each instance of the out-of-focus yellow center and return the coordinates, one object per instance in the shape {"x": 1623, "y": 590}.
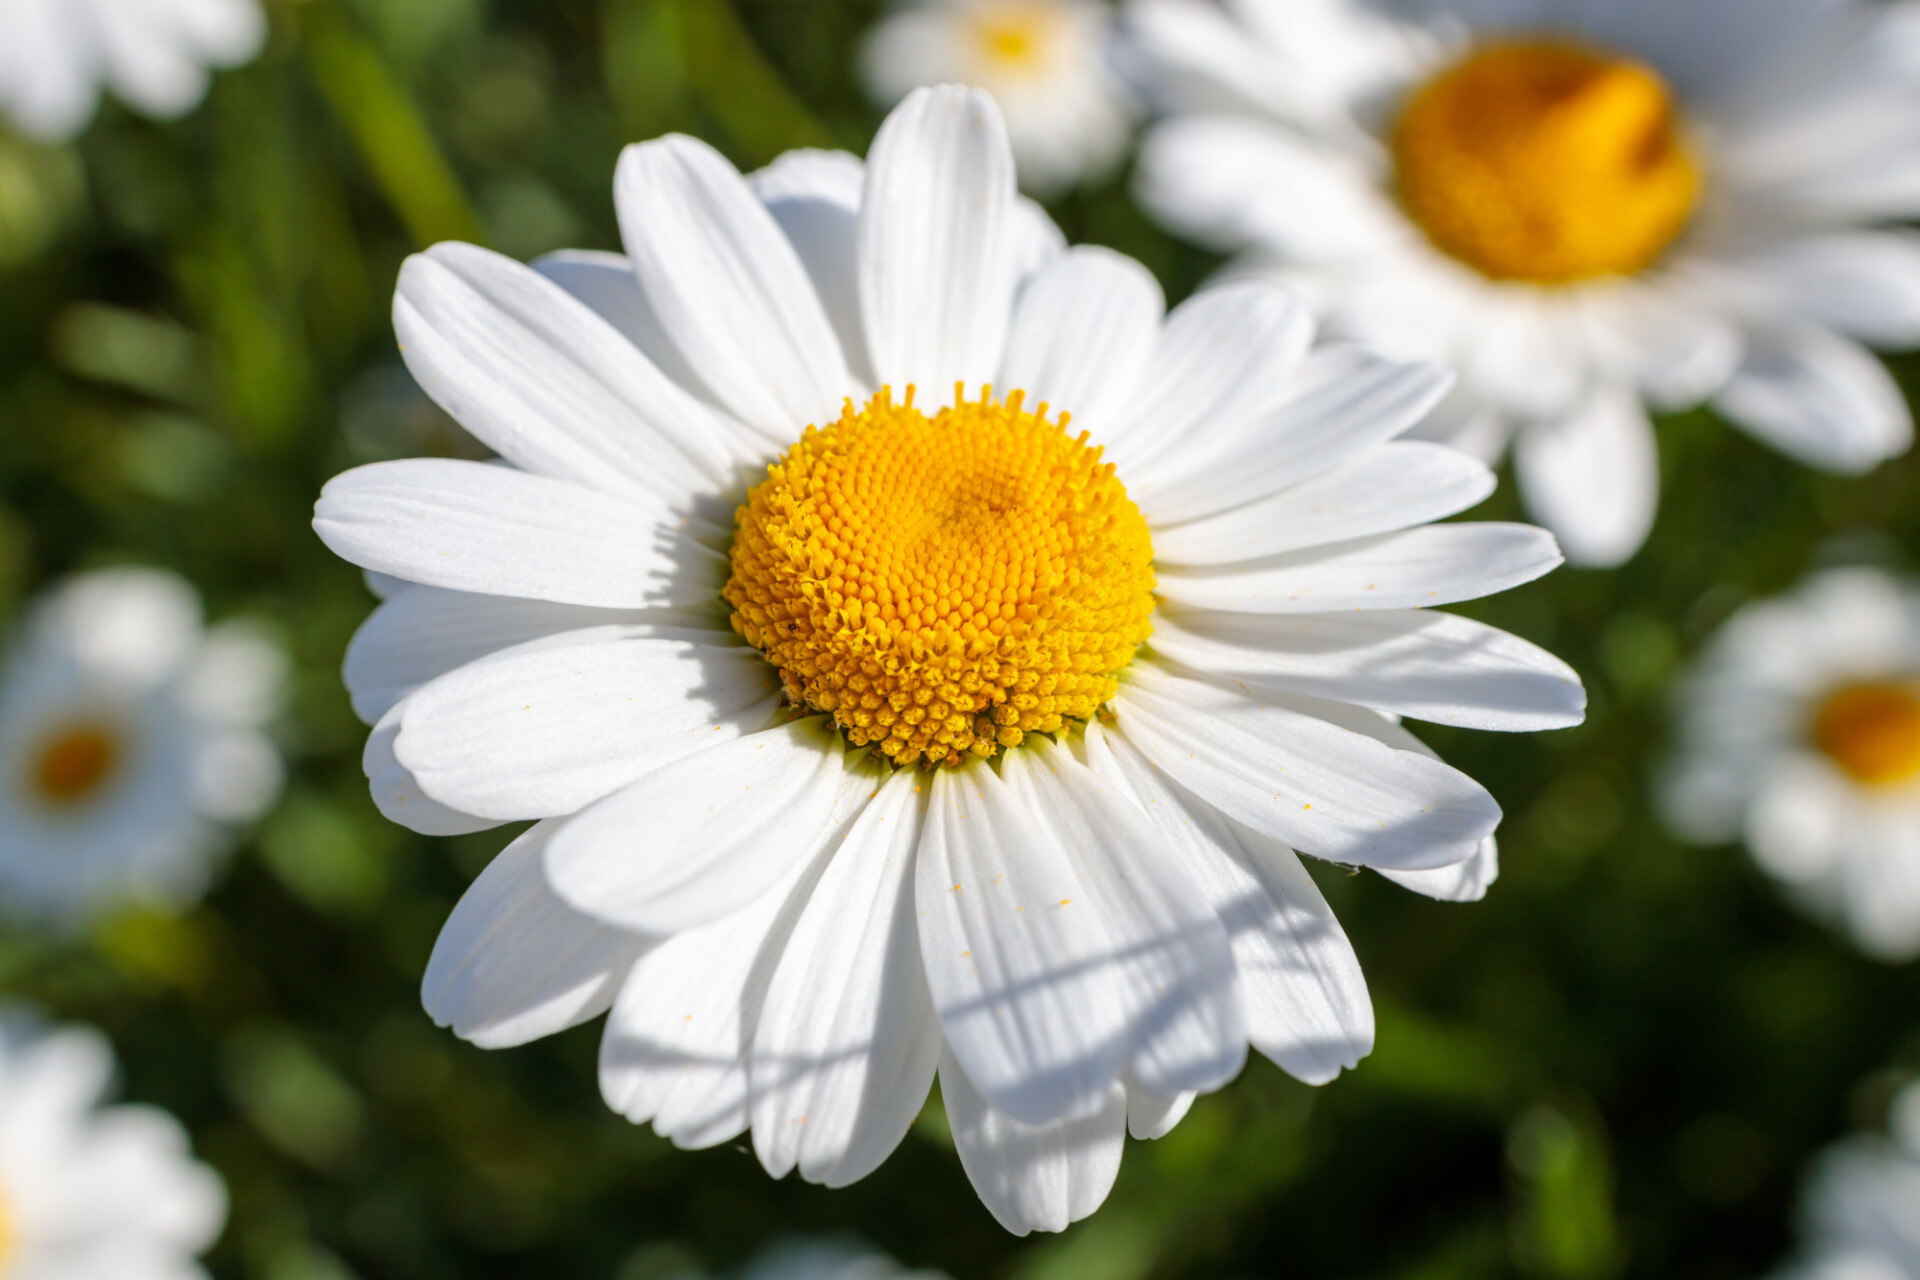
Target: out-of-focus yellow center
{"x": 1872, "y": 731}
{"x": 72, "y": 763}
{"x": 1546, "y": 162}
{"x": 943, "y": 586}
{"x": 1013, "y": 37}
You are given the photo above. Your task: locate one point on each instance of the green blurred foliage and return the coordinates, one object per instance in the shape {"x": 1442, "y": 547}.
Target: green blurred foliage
{"x": 1613, "y": 1067}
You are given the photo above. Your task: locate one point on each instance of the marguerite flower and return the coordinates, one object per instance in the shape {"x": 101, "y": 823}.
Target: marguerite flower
{"x": 1800, "y": 733}
{"x": 131, "y": 744}
{"x": 56, "y": 55}
{"x": 89, "y": 1191}
{"x": 1860, "y": 1208}
{"x": 828, "y": 1259}
{"x": 1046, "y": 62}
{"x": 877, "y": 720}
{"x": 1588, "y": 209}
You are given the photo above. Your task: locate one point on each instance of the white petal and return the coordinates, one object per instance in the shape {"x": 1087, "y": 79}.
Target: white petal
{"x": 1341, "y": 402}
{"x": 1082, "y": 335}
{"x": 1385, "y": 489}
{"x": 1176, "y": 968}
{"x": 1302, "y": 994}
{"x": 471, "y": 526}
{"x": 1675, "y": 349}
{"x": 1151, "y": 1116}
{"x": 1820, "y": 398}
{"x": 1412, "y": 662}
{"x": 1226, "y": 356}
{"x": 1863, "y": 283}
{"x": 710, "y": 832}
{"x": 937, "y": 268}
{"x": 1466, "y": 881}
{"x": 1432, "y": 565}
{"x": 396, "y": 792}
{"x": 513, "y": 963}
{"x": 540, "y": 732}
{"x": 1034, "y": 1177}
{"x": 815, "y": 197}
{"x": 675, "y": 1048}
{"x": 1017, "y": 957}
{"x": 847, "y": 1042}
{"x": 424, "y": 632}
{"x": 606, "y": 282}
{"x": 728, "y": 287}
{"x": 1232, "y": 182}
{"x": 1315, "y": 786}
{"x": 1593, "y": 478}
{"x": 542, "y": 380}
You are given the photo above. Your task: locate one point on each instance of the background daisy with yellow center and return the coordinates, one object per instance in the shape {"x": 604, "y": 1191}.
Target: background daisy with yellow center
{"x": 90, "y": 1191}
{"x": 1047, "y": 63}
{"x": 923, "y": 654}
{"x": 1589, "y": 210}
{"x": 133, "y": 744}
{"x": 1799, "y": 733}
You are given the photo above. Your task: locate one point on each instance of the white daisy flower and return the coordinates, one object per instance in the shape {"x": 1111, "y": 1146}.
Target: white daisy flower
{"x": 828, "y": 1259}
{"x": 56, "y": 56}
{"x": 89, "y": 1191}
{"x": 1046, "y": 62}
{"x": 131, "y": 743}
{"x": 1589, "y": 208}
{"x": 1860, "y": 1208}
{"x": 1800, "y": 733}
{"x": 852, "y": 755}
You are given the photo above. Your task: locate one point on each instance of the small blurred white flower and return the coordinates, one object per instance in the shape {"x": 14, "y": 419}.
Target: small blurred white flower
{"x": 89, "y": 1192}
{"x": 1800, "y": 732}
{"x": 130, "y": 737}
{"x": 1587, "y": 209}
{"x": 1860, "y": 1209}
{"x": 55, "y": 56}
{"x": 1045, "y": 61}
{"x": 828, "y": 1259}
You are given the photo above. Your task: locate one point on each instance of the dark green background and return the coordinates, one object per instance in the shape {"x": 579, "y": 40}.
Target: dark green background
{"x": 1616, "y": 1065}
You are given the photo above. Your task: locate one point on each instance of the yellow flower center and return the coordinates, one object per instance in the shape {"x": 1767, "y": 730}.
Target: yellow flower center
{"x": 1013, "y": 37}
{"x": 943, "y": 586}
{"x": 1872, "y": 731}
{"x": 1546, "y": 162}
{"x": 73, "y": 763}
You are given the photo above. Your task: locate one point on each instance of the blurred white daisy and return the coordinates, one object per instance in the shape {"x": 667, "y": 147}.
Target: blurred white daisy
{"x": 131, "y": 741}
{"x": 1589, "y": 208}
{"x": 1799, "y": 732}
{"x": 56, "y": 55}
{"x": 1046, "y": 62}
{"x": 1860, "y": 1208}
{"x": 853, "y": 757}
{"x": 90, "y": 1191}
{"x": 828, "y": 1259}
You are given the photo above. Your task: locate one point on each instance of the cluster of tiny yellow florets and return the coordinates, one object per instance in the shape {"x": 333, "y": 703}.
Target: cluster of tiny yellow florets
{"x": 943, "y": 586}
{"x": 1542, "y": 161}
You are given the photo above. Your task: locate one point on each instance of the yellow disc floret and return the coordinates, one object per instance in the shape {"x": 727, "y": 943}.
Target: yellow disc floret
{"x": 943, "y": 586}
{"x": 73, "y": 763}
{"x": 1872, "y": 731}
{"x": 1546, "y": 162}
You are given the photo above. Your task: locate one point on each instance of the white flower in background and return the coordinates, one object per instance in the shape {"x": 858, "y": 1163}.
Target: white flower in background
{"x": 695, "y": 635}
{"x": 131, "y": 740}
{"x": 828, "y": 1259}
{"x": 89, "y": 1192}
{"x": 1800, "y": 733}
{"x": 1046, "y": 62}
{"x": 56, "y": 55}
{"x": 1589, "y": 208}
{"x": 1860, "y": 1208}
